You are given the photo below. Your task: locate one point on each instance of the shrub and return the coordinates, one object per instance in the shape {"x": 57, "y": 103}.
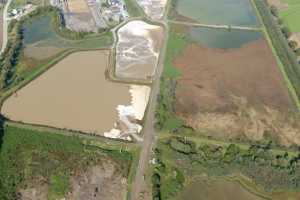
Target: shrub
{"x": 274, "y": 11}
{"x": 297, "y": 51}
{"x": 182, "y": 145}
{"x": 286, "y": 31}
{"x": 293, "y": 44}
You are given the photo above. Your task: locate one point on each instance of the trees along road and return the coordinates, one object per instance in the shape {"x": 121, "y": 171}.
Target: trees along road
{"x": 139, "y": 186}
{"x": 5, "y": 26}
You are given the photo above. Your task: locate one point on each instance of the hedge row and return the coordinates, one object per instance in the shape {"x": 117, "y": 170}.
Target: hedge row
{"x": 280, "y": 43}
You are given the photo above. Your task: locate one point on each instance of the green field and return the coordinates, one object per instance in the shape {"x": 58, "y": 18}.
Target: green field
{"x": 291, "y": 16}
{"x": 133, "y": 8}
{"x": 28, "y": 156}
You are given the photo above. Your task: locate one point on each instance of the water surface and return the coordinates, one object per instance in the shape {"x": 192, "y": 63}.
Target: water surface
{"x": 228, "y": 12}
{"x": 221, "y": 38}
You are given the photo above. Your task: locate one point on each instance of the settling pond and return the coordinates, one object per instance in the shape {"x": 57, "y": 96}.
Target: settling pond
{"x": 137, "y": 50}
{"x": 42, "y": 41}
{"x": 74, "y": 94}
{"x": 226, "y": 12}
{"x": 221, "y": 38}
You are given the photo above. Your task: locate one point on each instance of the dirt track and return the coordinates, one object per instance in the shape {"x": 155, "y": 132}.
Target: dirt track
{"x": 1, "y": 30}
{"x": 210, "y": 77}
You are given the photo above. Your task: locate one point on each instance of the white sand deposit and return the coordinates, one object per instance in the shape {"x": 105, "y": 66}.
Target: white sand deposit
{"x": 137, "y": 50}
{"x": 130, "y": 113}
{"x": 153, "y": 8}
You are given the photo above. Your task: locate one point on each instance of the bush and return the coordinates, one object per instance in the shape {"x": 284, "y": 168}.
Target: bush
{"x": 279, "y": 21}
{"x": 297, "y": 52}
{"x": 286, "y": 31}
{"x": 293, "y": 44}
{"x": 274, "y": 11}
{"x": 183, "y": 146}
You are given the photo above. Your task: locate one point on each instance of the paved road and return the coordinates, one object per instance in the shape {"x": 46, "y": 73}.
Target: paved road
{"x": 5, "y": 25}
{"x": 139, "y": 185}
{"x": 216, "y": 26}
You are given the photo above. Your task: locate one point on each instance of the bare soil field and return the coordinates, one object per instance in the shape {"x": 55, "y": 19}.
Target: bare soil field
{"x": 41, "y": 53}
{"x": 278, "y": 4}
{"x": 137, "y": 50}
{"x": 73, "y": 95}
{"x": 100, "y": 182}
{"x": 240, "y": 90}
{"x": 210, "y": 77}
{"x": 78, "y": 16}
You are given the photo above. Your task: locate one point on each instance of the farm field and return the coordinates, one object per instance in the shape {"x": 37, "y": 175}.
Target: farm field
{"x": 291, "y": 14}
{"x": 79, "y": 17}
{"x": 225, "y": 12}
{"x": 228, "y": 85}
{"x": 60, "y": 98}
{"x": 40, "y": 165}
{"x": 137, "y": 50}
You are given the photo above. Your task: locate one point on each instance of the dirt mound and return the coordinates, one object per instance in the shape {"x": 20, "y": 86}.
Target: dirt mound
{"x": 98, "y": 182}
{"x": 39, "y": 192}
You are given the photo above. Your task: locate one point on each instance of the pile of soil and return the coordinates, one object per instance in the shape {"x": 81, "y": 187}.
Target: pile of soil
{"x": 100, "y": 182}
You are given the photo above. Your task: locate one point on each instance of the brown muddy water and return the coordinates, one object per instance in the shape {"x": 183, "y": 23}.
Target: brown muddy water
{"x": 216, "y": 189}
{"x": 73, "y": 94}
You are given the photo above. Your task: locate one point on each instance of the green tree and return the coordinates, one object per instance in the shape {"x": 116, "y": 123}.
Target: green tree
{"x": 286, "y": 31}
{"x": 274, "y": 11}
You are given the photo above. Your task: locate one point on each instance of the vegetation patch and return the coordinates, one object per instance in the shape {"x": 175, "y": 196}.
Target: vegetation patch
{"x": 207, "y": 94}
{"x": 181, "y": 161}
{"x": 31, "y": 158}
{"x": 291, "y": 15}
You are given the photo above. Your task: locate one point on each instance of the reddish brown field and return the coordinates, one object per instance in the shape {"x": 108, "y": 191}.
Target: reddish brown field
{"x": 233, "y": 93}
{"x": 211, "y": 77}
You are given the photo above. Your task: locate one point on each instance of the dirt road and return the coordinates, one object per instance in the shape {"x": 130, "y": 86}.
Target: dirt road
{"x": 5, "y": 25}
{"x": 139, "y": 189}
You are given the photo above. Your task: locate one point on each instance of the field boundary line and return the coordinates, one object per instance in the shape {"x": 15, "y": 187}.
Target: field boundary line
{"x": 280, "y": 65}
{"x": 66, "y": 132}
{"x": 202, "y": 139}
{"x": 216, "y": 26}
